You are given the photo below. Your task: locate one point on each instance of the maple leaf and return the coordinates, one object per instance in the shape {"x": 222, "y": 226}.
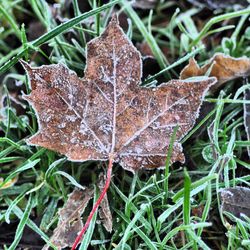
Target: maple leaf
{"x": 223, "y": 67}
{"x": 107, "y": 112}
{"x": 107, "y": 115}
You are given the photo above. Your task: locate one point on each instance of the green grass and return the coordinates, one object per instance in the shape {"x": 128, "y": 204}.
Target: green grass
{"x": 151, "y": 209}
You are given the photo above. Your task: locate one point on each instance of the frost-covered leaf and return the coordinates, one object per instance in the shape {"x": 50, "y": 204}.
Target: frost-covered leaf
{"x": 107, "y": 113}
{"x": 104, "y": 212}
{"x": 236, "y": 200}
{"x": 70, "y": 222}
{"x": 224, "y": 68}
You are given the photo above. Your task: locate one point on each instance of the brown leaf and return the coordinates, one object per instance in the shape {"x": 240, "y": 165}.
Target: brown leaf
{"x": 236, "y": 200}
{"x": 145, "y": 50}
{"x": 104, "y": 211}
{"x": 224, "y": 68}
{"x": 70, "y": 222}
{"x": 107, "y": 112}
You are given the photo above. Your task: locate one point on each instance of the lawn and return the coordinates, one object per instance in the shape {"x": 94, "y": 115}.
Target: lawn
{"x": 180, "y": 206}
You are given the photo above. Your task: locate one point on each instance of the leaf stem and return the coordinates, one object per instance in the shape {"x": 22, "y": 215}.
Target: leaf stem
{"x": 98, "y": 202}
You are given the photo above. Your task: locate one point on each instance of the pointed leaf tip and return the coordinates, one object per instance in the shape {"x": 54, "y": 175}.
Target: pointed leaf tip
{"x": 114, "y": 20}
{"x": 25, "y": 65}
